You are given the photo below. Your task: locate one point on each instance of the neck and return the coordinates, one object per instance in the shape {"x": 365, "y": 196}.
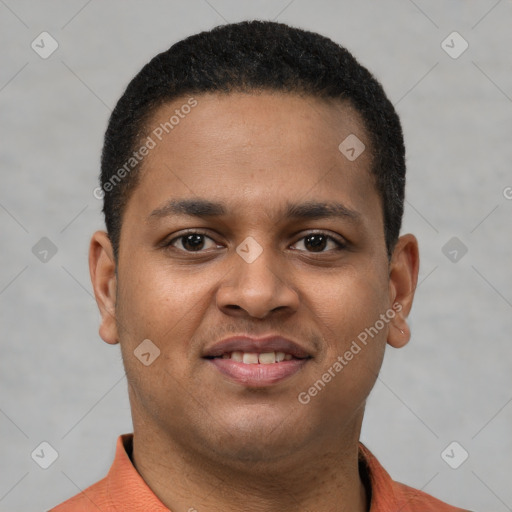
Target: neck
{"x": 325, "y": 480}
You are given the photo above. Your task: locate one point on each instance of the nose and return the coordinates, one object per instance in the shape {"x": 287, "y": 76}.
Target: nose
{"x": 257, "y": 288}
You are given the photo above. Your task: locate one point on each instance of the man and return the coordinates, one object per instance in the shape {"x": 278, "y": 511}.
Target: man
{"x": 253, "y": 180}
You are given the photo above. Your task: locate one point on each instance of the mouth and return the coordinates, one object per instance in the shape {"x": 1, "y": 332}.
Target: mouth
{"x": 257, "y": 363}
{"x": 255, "y": 358}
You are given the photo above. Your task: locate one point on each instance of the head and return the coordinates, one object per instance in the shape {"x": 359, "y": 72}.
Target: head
{"x": 253, "y": 180}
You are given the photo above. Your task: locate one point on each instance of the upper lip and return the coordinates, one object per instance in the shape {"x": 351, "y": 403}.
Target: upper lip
{"x": 244, "y": 343}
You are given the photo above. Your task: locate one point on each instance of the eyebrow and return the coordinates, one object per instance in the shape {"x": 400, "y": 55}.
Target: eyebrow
{"x": 204, "y": 208}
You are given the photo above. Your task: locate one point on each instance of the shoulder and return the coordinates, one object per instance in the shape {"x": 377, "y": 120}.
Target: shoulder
{"x": 388, "y": 495}
{"x": 93, "y": 498}
{"x": 414, "y": 500}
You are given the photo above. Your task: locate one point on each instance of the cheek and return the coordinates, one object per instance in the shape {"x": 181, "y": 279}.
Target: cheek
{"x": 159, "y": 303}
{"x": 166, "y": 308}
{"x": 349, "y": 316}
{"x": 349, "y": 303}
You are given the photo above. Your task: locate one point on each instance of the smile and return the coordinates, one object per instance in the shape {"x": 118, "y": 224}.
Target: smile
{"x": 255, "y": 358}
{"x": 257, "y": 362}
{"x": 254, "y": 370}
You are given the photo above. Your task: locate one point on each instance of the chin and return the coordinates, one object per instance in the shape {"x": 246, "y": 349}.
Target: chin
{"x": 259, "y": 438}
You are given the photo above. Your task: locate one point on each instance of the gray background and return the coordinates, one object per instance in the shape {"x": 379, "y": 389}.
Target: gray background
{"x": 61, "y": 384}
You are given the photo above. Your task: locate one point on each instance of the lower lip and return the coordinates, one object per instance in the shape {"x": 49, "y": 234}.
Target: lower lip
{"x": 258, "y": 375}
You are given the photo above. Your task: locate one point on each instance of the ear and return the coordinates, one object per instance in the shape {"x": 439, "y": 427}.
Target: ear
{"x": 403, "y": 278}
{"x": 102, "y": 268}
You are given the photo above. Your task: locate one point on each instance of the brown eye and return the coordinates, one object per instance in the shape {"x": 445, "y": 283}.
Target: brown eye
{"x": 190, "y": 242}
{"x": 317, "y": 242}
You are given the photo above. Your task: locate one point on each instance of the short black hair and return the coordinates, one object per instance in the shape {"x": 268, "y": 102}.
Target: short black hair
{"x": 253, "y": 56}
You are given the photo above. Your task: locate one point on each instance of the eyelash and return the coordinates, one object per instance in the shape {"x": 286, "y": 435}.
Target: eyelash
{"x": 340, "y": 245}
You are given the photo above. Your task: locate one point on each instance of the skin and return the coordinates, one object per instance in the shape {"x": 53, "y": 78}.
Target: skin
{"x": 222, "y": 445}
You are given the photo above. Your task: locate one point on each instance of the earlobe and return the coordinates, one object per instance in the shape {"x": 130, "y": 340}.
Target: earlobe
{"x": 102, "y": 268}
{"x": 402, "y": 333}
{"x": 403, "y": 278}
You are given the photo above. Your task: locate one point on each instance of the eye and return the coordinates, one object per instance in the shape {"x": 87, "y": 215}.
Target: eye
{"x": 317, "y": 242}
{"x": 193, "y": 241}
{"x": 196, "y": 241}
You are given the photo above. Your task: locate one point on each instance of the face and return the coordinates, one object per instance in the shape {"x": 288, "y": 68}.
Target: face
{"x": 248, "y": 221}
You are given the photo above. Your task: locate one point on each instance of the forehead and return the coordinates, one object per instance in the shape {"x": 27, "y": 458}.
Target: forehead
{"x": 254, "y": 151}
{"x": 257, "y": 117}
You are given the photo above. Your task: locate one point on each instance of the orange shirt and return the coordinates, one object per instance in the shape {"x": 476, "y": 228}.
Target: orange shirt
{"x": 123, "y": 489}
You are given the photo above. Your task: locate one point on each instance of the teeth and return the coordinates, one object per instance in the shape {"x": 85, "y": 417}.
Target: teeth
{"x": 237, "y": 356}
{"x": 255, "y": 358}
{"x": 250, "y": 358}
{"x": 267, "y": 358}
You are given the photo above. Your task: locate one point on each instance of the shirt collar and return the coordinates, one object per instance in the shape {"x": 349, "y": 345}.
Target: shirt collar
{"x": 126, "y": 489}
{"x": 382, "y": 486}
